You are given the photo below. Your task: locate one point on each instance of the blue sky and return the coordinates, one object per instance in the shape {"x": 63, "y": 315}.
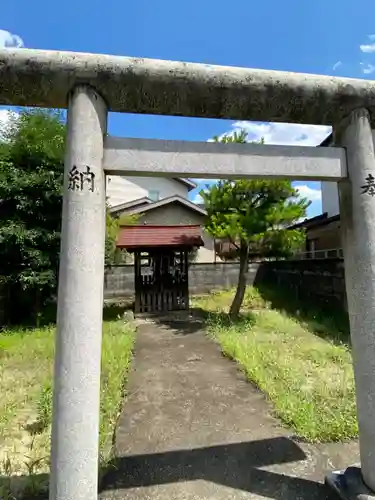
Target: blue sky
{"x": 313, "y": 37}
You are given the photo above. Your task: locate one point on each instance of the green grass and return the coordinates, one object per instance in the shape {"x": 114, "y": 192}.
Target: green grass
{"x": 26, "y": 363}
{"x": 306, "y": 375}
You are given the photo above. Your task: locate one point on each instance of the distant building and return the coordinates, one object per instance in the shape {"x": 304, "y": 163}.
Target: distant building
{"x": 160, "y": 203}
{"x": 323, "y": 234}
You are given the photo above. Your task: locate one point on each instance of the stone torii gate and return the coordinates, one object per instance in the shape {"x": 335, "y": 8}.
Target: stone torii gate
{"x": 90, "y": 86}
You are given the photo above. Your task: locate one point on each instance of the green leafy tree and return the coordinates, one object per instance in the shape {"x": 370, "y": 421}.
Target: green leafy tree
{"x": 112, "y": 228}
{"x": 31, "y": 170}
{"x": 253, "y": 215}
{"x": 114, "y": 255}
{"x": 129, "y": 219}
{"x": 31, "y": 181}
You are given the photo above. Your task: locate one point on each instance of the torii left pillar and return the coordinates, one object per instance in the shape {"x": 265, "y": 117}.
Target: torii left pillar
{"x": 75, "y": 428}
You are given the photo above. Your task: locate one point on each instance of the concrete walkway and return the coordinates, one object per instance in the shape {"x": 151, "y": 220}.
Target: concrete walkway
{"x": 193, "y": 428}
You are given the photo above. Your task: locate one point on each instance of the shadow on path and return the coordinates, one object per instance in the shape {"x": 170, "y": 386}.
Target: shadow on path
{"x": 186, "y": 322}
{"x": 231, "y": 465}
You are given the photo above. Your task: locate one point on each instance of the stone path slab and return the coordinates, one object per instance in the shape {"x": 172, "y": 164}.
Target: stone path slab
{"x": 193, "y": 428}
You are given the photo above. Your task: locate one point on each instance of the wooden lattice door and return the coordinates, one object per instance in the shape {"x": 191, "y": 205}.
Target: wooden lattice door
{"x": 161, "y": 280}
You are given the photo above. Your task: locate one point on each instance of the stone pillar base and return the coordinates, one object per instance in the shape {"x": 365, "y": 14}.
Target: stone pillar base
{"x": 349, "y": 484}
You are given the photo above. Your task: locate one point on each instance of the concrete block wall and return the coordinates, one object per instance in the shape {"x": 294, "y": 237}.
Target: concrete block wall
{"x": 119, "y": 282}
{"x": 321, "y": 281}
{"x": 203, "y": 278}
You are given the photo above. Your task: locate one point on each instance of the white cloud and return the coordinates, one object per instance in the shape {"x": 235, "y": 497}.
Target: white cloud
{"x": 5, "y": 116}
{"x": 336, "y": 65}
{"x": 367, "y": 69}
{"x": 309, "y": 193}
{"x": 368, "y": 48}
{"x": 283, "y": 133}
{"x": 367, "y": 65}
{"x": 9, "y": 40}
{"x": 198, "y": 199}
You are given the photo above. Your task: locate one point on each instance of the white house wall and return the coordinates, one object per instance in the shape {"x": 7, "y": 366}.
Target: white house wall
{"x": 124, "y": 189}
{"x": 330, "y": 198}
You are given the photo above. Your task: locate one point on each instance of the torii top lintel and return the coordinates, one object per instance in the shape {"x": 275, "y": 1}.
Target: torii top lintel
{"x": 135, "y": 85}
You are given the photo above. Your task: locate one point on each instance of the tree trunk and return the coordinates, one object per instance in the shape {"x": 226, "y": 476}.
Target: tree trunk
{"x": 37, "y": 307}
{"x": 241, "y": 286}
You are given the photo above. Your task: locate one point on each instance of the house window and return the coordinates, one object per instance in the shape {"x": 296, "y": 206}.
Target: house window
{"x": 154, "y": 195}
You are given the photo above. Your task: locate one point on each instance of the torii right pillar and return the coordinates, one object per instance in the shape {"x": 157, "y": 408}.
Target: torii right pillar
{"x": 357, "y": 215}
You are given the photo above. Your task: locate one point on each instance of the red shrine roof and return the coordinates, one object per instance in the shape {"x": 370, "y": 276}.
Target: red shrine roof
{"x": 132, "y": 237}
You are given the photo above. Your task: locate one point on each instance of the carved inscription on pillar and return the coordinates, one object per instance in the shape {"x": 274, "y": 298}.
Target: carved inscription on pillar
{"x": 369, "y": 186}
{"x": 81, "y": 179}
